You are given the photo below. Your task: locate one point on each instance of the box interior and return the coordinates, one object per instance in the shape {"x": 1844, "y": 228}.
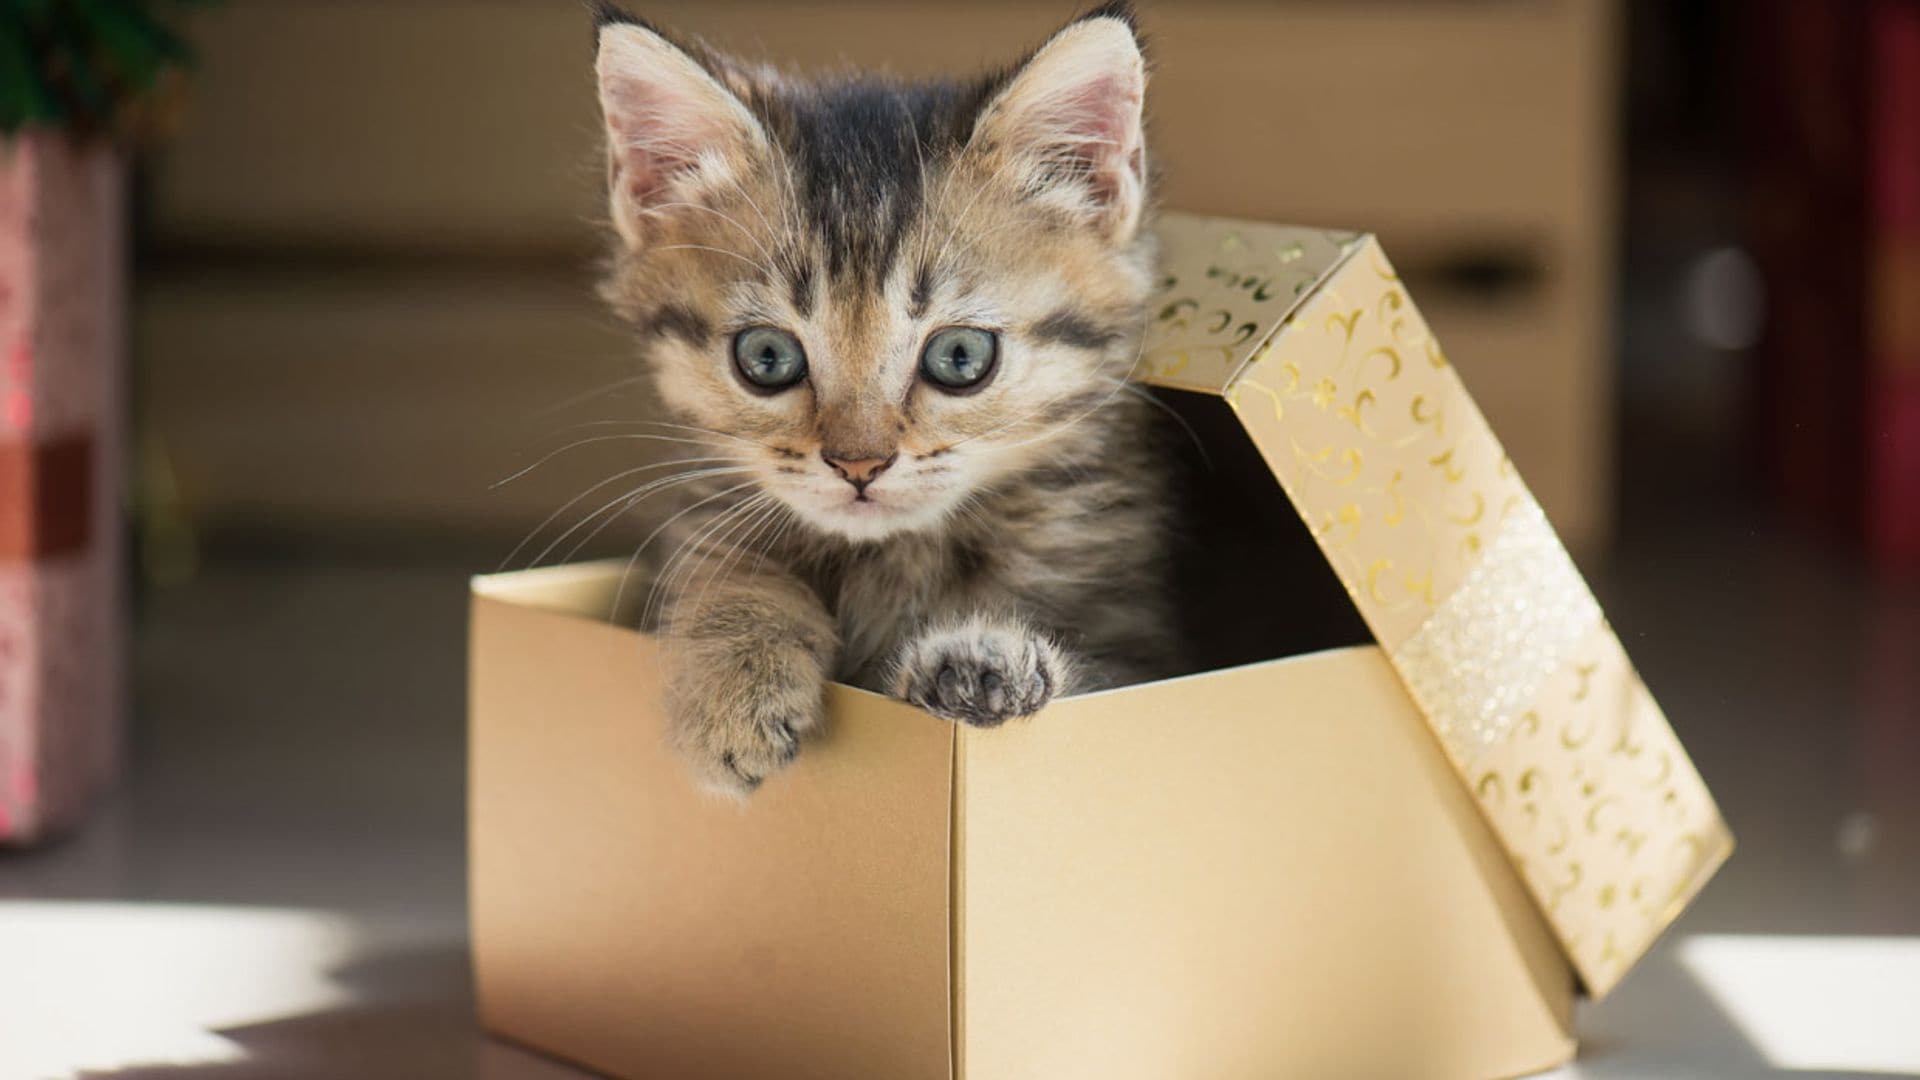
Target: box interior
{"x": 1250, "y": 582}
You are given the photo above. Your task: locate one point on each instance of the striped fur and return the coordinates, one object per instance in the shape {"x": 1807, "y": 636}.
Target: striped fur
{"x": 1012, "y": 549}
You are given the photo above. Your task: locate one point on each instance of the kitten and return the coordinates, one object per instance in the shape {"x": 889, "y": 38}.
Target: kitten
{"x": 900, "y": 315}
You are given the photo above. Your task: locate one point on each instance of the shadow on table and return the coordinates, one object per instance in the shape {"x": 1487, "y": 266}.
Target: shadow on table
{"x": 411, "y": 1028}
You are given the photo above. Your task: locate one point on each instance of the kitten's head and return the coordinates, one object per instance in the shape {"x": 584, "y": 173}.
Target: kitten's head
{"x": 889, "y": 296}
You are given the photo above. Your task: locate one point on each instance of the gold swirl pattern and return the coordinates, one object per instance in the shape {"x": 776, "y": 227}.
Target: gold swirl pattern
{"x": 1227, "y": 286}
{"x": 1311, "y": 338}
{"x": 1624, "y": 781}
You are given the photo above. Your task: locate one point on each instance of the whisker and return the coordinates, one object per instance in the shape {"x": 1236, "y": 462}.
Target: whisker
{"x": 588, "y": 442}
{"x": 1049, "y": 402}
{"x": 740, "y": 189}
{"x": 711, "y": 542}
{"x": 959, "y": 222}
{"x": 762, "y": 267}
{"x": 786, "y": 519}
{"x": 664, "y": 525}
{"x": 710, "y": 431}
{"x": 762, "y": 537}
{"x": 920, "y": 158}
{"x": 1103, "y": 402}
{"x": 581, "y": 399}
{"x": 734, "y": 548}
{"x": 680, "y": 566}
{"x": 615, "y": 478}
{"x": 637, "y": 422}
{"x": 969, "y": 507}
{"x": 623, "y": 511}
{"x": 684, "y": 563}
{"x": 1015, "y": 422}
{"x": 1147, "y": 396}
{"x": 728, "y": 218}
{"x": 635, "y": 495}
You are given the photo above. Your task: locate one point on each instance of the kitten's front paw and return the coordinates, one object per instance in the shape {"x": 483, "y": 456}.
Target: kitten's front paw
{"x": 738, "y": 727}
{"x": 980, "y": 672}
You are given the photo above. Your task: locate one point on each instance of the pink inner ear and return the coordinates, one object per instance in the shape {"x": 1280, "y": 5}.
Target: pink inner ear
{"x": 1100, "y": 110}
{"x": 657, "y": 131}
{"x": 1094, "y": 127}
{"x": 643, "y": 172}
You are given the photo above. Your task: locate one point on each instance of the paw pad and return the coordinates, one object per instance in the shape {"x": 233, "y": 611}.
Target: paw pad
{"x": 980, "y": 675}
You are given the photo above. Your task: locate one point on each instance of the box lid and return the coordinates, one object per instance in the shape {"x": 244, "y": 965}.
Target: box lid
{"x": 1310, "y": 337}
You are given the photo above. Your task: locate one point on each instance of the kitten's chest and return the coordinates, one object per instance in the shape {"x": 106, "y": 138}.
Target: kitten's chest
{"x": 883, "y": 595}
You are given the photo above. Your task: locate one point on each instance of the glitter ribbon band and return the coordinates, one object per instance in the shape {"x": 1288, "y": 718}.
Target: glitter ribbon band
{"x": 1478, "y": 662}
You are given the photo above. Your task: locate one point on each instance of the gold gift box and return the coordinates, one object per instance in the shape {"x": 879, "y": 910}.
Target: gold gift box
{"x": 1273, "y": 868}
{"x": 1312, "y": 340}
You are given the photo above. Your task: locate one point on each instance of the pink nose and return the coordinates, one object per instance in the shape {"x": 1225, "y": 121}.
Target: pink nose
{"x": 858, "y": 471}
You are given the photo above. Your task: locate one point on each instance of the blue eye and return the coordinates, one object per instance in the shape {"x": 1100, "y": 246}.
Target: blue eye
{"x": 769, "y": 359}
{"x": 959, "y": 359}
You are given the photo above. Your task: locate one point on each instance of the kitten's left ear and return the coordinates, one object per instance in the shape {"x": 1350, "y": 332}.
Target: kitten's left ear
{"x": 1068, "y": 123}
{"x": 672, "y": 126}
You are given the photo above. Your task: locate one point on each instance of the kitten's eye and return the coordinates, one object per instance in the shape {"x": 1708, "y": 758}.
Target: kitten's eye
{"x": 958, "y": 359}
{"x": 768, "y": 358}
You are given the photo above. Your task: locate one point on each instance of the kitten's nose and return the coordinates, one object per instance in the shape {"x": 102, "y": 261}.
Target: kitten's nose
{"x": 858, "y": 471}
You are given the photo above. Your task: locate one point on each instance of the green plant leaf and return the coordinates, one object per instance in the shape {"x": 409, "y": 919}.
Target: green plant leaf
{"x": 81, "y": 63}
{"x": 24, "y": 100}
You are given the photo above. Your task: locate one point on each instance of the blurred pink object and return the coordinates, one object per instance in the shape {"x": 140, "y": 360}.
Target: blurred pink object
{"x": 61, "y": 618}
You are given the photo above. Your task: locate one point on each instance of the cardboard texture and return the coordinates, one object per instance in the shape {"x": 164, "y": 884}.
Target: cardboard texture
{"x": 1395, "y": 860}
{"x": 627, "y": 921}
{"x": 1099, "y": 893}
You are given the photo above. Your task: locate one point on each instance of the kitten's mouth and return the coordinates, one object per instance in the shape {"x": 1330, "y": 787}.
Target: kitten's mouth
{"x": 866, "y": 516}
{"x": 869, "y": 521}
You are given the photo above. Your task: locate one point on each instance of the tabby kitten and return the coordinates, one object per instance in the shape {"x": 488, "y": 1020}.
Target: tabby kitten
{"x": 901, "y": 316}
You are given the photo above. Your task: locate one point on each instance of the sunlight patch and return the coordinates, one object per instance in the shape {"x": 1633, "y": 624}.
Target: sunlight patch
{"x": 1816, "y": 1003}
{"x": 97, "y": 986}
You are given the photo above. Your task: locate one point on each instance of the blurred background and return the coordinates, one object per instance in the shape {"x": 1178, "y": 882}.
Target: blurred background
{"x": 1672, "y": 245}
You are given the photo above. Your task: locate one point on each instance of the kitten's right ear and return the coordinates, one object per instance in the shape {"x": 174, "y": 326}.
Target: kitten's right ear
{"x": 672, "y": 128}
{"x": 1068, "y": 122}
